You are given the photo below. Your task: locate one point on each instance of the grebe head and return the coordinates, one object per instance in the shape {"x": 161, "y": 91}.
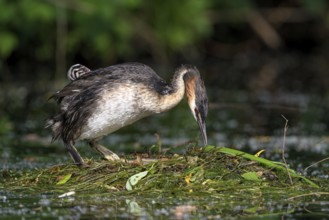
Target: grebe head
{"x": 197, "y": 98}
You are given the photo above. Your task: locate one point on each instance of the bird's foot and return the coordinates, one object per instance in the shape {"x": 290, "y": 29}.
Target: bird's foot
{"x": 112, "y": 157}
{"x": 106, "y": 153}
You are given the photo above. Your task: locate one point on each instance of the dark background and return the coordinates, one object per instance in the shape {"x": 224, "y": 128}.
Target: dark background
{"x": 254, "y": 45}
{"x": 259, "y": 59}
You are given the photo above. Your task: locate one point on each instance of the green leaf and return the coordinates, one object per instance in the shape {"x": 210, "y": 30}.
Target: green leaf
{"x": 251, "y": 176}
{"x": 264, "y": 162}
{"x": 64, "y": 179}
{"x": 133, "y": 180}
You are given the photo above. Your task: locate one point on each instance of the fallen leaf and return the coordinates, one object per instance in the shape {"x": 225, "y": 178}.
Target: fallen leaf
{"x": 64, "y": 179}
{"x": 251, "y": 176}
{"x": 66, "y": 194}
{"x": 133, "y": 180}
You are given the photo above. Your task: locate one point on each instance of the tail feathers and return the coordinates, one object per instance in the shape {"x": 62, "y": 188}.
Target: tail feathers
{"x": 56, "y": 127}
{"x": 49, "y": 123}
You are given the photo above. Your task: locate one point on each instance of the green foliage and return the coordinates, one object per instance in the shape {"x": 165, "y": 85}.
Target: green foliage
{"x": 108, "y": 30}
{"x": 25, "y": 22}
{"x": 179, "y": 23}
{"x": 231, "y": 177}
{"x": 101, "y": 28}
{"x": 265, "y": 162}
{"x": 110, "y": 27}
{"x": 216, "y": 168}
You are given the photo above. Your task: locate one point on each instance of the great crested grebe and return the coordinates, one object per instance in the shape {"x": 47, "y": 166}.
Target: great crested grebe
{"x": 98, "y": 102}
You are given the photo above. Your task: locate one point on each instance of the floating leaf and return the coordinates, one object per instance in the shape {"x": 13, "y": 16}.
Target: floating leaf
{"x": 64, "y": 179}
{"x": 133, "y": 180}
{"x": 259, "y": 153}
{"x": 251, "y": 176}
{"x": 66, "y": 194}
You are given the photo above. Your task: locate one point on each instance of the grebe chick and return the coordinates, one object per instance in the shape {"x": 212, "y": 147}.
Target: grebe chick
{"x": 98, "y": 102}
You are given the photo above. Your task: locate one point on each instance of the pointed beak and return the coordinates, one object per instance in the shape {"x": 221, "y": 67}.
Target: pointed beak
{"x": 197, "y": 99}
{"x": 202, "y": 125}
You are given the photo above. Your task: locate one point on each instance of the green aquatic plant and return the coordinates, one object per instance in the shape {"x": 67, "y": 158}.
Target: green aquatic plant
{"x": 199, "y": 170}
{"x": 225, "y": 181}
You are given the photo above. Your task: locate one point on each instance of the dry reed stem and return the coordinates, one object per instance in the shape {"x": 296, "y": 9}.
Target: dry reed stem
{"x": 283, "y": 147}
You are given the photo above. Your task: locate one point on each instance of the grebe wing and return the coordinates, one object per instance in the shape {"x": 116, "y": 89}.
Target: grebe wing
{"x": 130, "y": 73}
{"x": 121, "y": 73}
{"x": 125, "y": 71}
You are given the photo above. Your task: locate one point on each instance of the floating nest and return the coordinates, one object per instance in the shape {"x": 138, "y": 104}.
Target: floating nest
{"x": 207, "y": 170}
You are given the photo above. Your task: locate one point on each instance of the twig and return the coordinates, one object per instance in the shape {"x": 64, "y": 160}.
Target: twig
{"x": 320, "y": 161}
{"x": 283, "y": 147}
{"x": 158, "y": 142}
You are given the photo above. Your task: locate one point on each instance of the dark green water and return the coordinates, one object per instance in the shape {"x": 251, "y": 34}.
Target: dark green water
{"x": 91, "y": 206}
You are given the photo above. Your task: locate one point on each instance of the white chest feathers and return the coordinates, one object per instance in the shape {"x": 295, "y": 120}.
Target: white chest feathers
{"x": 115, "y": 109}
{"x": 125, "y": 104}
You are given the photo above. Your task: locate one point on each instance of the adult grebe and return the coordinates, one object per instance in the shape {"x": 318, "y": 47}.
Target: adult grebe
{"x": 98, "y": 102}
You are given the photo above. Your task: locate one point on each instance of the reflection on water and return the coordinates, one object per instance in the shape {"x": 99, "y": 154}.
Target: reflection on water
{"x": 92, "y": 206}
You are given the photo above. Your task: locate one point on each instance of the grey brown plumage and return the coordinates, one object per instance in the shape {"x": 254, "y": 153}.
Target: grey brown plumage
{"x": 98, "y": 102}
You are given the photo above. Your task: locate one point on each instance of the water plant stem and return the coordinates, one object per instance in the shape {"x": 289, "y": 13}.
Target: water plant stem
{"x": 283, "y": 148}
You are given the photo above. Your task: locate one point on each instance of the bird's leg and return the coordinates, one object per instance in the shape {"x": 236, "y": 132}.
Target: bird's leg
{"x": 74, "y": 153}
{"x": 106, "y": 153}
